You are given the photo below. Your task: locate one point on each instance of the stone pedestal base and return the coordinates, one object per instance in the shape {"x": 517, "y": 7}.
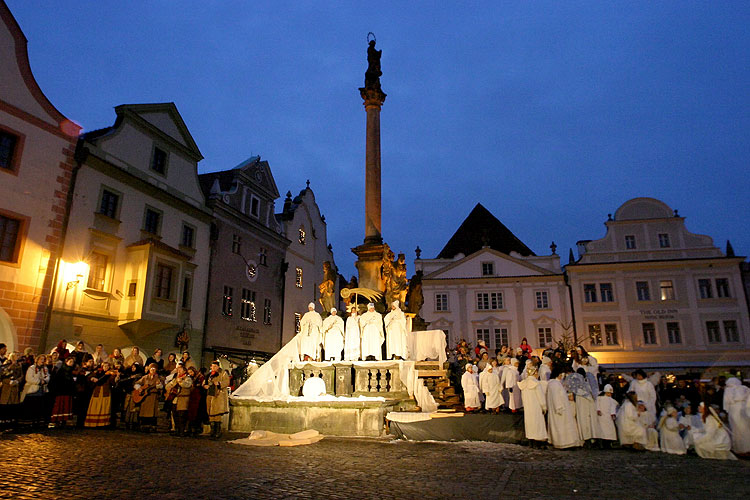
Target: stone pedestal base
{"x": 369, "y": 262}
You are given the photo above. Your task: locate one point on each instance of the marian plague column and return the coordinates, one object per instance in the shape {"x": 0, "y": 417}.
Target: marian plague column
{"x": 370, "y": 253}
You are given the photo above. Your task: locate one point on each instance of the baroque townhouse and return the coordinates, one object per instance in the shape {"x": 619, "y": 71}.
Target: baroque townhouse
{"x": 135, "y": 262}
{"x": 651, "y": 293}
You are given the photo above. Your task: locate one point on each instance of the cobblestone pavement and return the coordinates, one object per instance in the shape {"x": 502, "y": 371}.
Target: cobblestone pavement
{"x": 91, "y": 464}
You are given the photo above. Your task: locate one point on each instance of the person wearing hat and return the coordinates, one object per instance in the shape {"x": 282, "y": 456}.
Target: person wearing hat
{"x": 545, "y": 370}
{"x": 371, "y": 326}
{"x": 563, "y": 432}
{"x": 606, "y": 412}
{"x": 149, "y": 387}
{"x": 471, "y": 389}
{"x": 669, "y": 433}
{"x": 333, "y": 336}
{"x": 509, "y": 381}
{"x": 217, "y": 397}
{"x": 309, "y": 334}
{"x": 534, "y": 406}
{"x": 395, "y": 327}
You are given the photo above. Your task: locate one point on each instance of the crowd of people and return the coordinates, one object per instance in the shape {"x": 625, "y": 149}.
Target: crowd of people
{"x": 100, "y": 390}
{"x": 568, "y": 401}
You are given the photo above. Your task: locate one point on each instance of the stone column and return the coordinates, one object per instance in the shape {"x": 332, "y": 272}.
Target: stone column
{"x": 373, "y": 101}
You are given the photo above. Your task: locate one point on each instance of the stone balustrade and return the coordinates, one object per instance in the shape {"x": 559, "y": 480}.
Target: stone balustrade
{"x": 368, "y": 378}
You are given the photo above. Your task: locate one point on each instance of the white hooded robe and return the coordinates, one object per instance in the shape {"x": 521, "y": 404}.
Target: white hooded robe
{"x": 735, "y": 400}
{"x": 606, "y": 409}
{"x": 353, "y": 339}
{"x": 563, "y": 432}
{"x": 669, "y": 436}
{"x": 471, "y": 390}
{"x": 395, "y": 329}
{"x": 489, "y": 384}
{"x": 333, "y": 337}
{"x": 309, "y": 334}
{"x": 371, "y": 326}
{"x": 534, "y": 406}
{"x": 510, "y": 382}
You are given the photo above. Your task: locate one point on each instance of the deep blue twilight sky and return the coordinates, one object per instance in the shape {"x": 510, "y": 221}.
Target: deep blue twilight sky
{"x": 551, "y": 114}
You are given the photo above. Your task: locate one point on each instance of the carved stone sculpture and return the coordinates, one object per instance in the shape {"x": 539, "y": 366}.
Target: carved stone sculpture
{"x": 327, "y": 288}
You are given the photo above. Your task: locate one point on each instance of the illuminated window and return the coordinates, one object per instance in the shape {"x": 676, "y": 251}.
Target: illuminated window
{"x": 247, "y": 311}
{"x": 267, "y": 311}
{"x": 298, "y": 277}
{"x": 667, "y": 290}
{"x": 302, "y": 236}
{"x": 97, "y": 270}
{"x": 595, "y": 334}
{"x": 226, "y": 303}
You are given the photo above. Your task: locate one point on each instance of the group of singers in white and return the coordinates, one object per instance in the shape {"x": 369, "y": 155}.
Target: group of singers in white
{"x": 361, "y": 338}
{"x": 566, "y": 409}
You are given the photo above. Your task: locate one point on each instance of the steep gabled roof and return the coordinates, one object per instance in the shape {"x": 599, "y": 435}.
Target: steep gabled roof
{"x": 480, "y": 229}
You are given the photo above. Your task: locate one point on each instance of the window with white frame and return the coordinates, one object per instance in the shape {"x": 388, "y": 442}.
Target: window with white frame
{"x": 589, "y": 292}
{"x": 97, "y": 270}
{"x": 630, "y": 241}
{"x": 730, "y": 331}
{"x": 501, "y": 337}
{"x": 664, "y": 240}
{"x": 483, "y": 334}
{"x": 649, "y": 333}
{"x": 722, "y": 288}
{"x": 712, "y": 332}
{"x": 489, "y": 301}
{"x": 704, "y": 289}
{"x": 674, "y": 336}
{"x": 545, "y": 335}
{"x": 642, "y": 290}
{"x": 441, "y": 302}
{"x": 610, "y": 334}
{"x": 254, "y": 206}
{"x": 667, "y": 290}
{"x": 595, "y": 334}
{"x": 606, "y": 293}
{"x": 488, "y": 268}
{"x": 542, "y": 299}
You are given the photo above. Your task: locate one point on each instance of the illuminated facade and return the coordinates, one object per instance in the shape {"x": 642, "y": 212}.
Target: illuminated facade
{"x": 135, "y": 261}
{"x": 306, "y": 229}
{"x": 487, "y": 285}
{"x": 246, "y": 284}
{"x": 37, "y": 145}
{"x": 652, "y": 292}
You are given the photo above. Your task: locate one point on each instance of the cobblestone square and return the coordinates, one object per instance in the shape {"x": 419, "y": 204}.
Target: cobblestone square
{"x": 88, "y": 464}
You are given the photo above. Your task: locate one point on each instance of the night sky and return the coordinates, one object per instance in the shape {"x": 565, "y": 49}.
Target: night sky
{"x": 550, "y": 114}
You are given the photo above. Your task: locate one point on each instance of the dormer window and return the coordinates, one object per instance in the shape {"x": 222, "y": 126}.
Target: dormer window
{"x": 302, "y": 236}
{"x": 159, "y": 161}
{"x": 254, "y": 206}
{"x": 488, "y": 268}
{"x": 630, "y": 242}
{"x": 664, "y": 241}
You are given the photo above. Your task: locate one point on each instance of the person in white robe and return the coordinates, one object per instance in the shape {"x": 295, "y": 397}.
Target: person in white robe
{"x": 471, "y": 389}
{"x": 353, "y": 340}
{"x": 736, "y": 397}
{"x": 309, "y": 334}
{"x": 669, "y": 434}
{"x": 534, "y": 406}
{"x": 333, "y": 336}
{"x": 396, "y": 343}
{"x": 489, "y": 384}
{"x": 588, "y": 362}
{"x": 629, "y": 428}
{"x": 689, "y": 423}
{"x": 561, "y": 423}
{"x": 606, "y": 412}
{"x": 714, "y": 440}
{"x": 645, "y": 390}
{"x": 371, "y": 326}
{"x": 510, "y": 382}
{"x": 546, "y": 369}
{"x": 504, "y": 392}
{"x": 648, "y": 421}
{"x": 584, "y": 402}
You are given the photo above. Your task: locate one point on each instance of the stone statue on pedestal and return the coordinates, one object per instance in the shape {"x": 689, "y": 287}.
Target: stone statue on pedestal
{"x": 415, "y": 299}
{"x": 327, "y": 288}
{"x": 373, "y": 73}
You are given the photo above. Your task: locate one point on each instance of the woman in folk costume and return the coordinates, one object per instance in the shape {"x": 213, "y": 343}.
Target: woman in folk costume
{"x": 100, "y": 404}
{"x": 489, "y": 384}
{"x": 629, "y": 428}
{"x": 309, "y": 334}
{"x": 371, "y": 326}
{"x": 197, "y": 414}
{"x": 714, "y": 440}
{"x": 585, "y": 404}
{"x": 34, "y": 394}
{"x": 606, "y": 412}
{"x": 645, "y": 390}
{"x": 689, "y": 423}
{"x": 509, "y": 381}
{"x": 396, "y": 345}
{"x": 736, "y": 397}
{"x": 149, "y": 387}
{"x": 648, "y": 421}
{"x": 217, "y": 397}
{"x": 471, "y": 389}
{"x": 669, "y": 433}
{"x": 534, "y": 406}
{"x": 11, "y": 376}
{"x": 353, "y": 338}
{"x": 561, "y": 423}
{"x": 178, "y": 391}
{"x": 333, "y": 335}
{"x": 63, "y": 388}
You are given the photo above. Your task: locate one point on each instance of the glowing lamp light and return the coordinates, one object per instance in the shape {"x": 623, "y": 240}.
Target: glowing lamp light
{"x": 74, "y": 273}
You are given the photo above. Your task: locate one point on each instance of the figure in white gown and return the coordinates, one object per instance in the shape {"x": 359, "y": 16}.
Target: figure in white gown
{"x": 333, "y": 335}
{"x": 371, "y": 326}
{"x": 629, "y": 428}
{"x": 563, "y": 432}
{"x": 353, "y": 337}
{"x": 309, "y": 334}
{"x": 395, "y": 328}
{"x": 690, "y": 423}
{"x": 713, "y": 441}
{"x": 648, "y": 421}
{"x": 471, "y": 389}
{"x": 645, "y": 391}
{"x": 489, "y": 384}
{"x": 736, "y": 397}
{"x": 510, "y": 382}
{"x": 669, "y": 434}
{"x": 606, "y": 412}
{"x": 534, "y": 405}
